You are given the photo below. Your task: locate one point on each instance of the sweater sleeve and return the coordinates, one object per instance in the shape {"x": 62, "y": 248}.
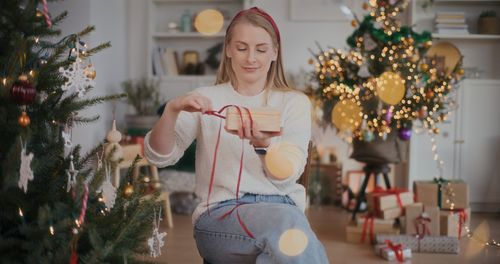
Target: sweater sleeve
{"x": 296, "y": 130}
{"x": 186, "y": 130}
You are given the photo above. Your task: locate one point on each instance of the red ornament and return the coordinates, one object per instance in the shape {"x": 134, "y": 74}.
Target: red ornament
{"x": 22, "y": 91}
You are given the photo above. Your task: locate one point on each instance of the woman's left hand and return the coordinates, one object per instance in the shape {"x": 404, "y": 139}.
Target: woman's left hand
{"x": 257, "y": 137}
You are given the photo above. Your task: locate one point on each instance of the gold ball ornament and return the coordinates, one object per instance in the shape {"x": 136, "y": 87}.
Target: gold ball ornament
{"x": 366, "y": 6}
{"x": 346, "y": 115}
{"x": 424, "y": 67}
{"x": 429, "y": 94}
{"x": 128, "y": 190}
{"x": 209, "y": 22}
{"x": 354, "y": 23}
{"x": 90, "y": 72}
{"x": 390, "y": 88}
{"x": 428, "y": 44}
{"x": 461, "y": 72}
{"x": 310, "y": 61}
{"x": 283, "y": 159}
{"x": 24, "y": 119}
{"x": 436, "y": 130}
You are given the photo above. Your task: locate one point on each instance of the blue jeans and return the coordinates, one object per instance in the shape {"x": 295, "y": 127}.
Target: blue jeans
{"x": 266, "y": 217}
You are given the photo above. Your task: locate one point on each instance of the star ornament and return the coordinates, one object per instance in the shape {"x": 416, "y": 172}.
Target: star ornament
{"x": 76, "y": 78}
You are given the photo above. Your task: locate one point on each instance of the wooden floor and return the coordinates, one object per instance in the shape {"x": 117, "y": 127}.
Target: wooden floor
{"x": 329, "y": 225}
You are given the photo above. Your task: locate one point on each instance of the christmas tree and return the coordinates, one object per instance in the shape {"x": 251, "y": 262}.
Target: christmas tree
{"x": 389, "y": 77}
{"x": 58, "y": 205}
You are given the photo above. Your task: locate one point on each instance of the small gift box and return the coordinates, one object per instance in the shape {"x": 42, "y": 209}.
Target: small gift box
{"x": 391, "y": 252}
{"x": 422, "y": 220}
{"x": 389, "y": 204}
{"x": 378, "y": 223}
{"x": 453, "y": 222}
{"x": 442, "y": 193}
{"x": 426, "y": 244}
{"x": 366, "y": 232}
{"x": 267, "y": 119}
{"x": 391, "y": 213}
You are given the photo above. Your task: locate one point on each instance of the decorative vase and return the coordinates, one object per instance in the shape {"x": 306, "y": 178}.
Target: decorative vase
{"x": 488, "y": 25}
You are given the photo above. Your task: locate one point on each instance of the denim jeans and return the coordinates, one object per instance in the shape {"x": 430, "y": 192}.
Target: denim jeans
{"x": 266, "y": 217}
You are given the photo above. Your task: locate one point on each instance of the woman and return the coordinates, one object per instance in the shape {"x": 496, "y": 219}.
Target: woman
{"x": 256, "y": 224}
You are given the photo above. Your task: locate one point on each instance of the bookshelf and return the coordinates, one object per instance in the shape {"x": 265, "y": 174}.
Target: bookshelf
{"x": 163, "y": 37}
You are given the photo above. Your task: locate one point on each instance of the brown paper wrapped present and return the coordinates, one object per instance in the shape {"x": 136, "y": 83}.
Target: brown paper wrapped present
{"x": 426, "y": 244}
{"x": 453, "y": 223}
{"x": 366, "y": 232}
{"x": 422, "y": 220}
{"x": 267, "y": 119}
{"x": 391, "y": 213}
{"x": 439, "y": 193}
{"x": 381, "y": 200}
{"x": 391, "y": 252}
{"x": 378, "y": 223}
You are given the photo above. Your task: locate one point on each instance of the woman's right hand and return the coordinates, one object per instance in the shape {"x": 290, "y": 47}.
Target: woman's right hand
{"x": 191, "y": 102}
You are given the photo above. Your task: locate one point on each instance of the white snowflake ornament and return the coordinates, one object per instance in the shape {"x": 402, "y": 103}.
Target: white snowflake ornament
{"x": 155, "y": 243}
{"x": 67, "y": 139}
{"x": 71, "y": 172}
{"x": 77, "y": 78}
{"x": 107, "y": 189}
{"x": 25, "y": 172}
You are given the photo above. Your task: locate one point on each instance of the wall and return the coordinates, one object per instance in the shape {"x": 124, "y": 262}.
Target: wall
{"x": 110, "y": 64}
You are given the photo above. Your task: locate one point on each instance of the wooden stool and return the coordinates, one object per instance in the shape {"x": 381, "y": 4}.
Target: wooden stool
{"x": 129, "y": 154}
{"x": 370, "y": 169}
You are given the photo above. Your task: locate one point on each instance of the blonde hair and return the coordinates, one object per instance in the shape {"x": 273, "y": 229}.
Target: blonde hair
{"x": 275, "y": 76}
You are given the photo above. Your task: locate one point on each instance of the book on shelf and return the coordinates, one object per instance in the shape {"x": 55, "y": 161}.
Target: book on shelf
{"x": 448, "y": 31}
{"x": 165, "y": 62}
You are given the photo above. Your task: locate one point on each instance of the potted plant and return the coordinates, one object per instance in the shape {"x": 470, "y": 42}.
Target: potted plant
{"x": 144, "y": 97}
{"x": 488, "y": 23}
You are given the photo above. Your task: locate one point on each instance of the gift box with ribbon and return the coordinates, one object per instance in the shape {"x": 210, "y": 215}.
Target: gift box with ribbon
{"x": 422, "y": 220}
{"x": 453, "y": 222}
{"x": 392, "y": 252}
{"x": 267, "y": 119}
{"x": 443, "y": 193}
{"x": 426, "y": 244}
{"x": 366, "y": 229}
{"x": 378, "y": 223}
{"x": 390, "y": 203}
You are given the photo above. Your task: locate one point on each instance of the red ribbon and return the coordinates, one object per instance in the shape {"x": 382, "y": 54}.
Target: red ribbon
{"x": 74, "y": 257}
{"x": 424, "y": 222}
{"x": 212, "y": 174}
{"x": 462, "y": 219}
{"x": 379, "y": 192}
{"x": 397, "y": 248}
{"x": 368, "y": 222}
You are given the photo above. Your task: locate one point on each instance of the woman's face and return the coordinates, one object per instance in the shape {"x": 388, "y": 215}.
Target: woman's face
{"x": 251, "y": 51}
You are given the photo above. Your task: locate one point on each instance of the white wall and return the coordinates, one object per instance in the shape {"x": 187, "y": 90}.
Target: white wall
{"x": 109, "y": 17}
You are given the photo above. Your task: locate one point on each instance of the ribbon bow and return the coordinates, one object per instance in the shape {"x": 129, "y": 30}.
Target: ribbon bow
{"x": 440, "y": 182}
{"x": 396, "y": 191}
{"x": 397, "y": 248}
{"x": 212, "y": 174}
{"x": 368, "y": 223}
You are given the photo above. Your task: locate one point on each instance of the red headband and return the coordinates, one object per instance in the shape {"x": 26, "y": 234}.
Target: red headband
{"x": 261, "y": 13}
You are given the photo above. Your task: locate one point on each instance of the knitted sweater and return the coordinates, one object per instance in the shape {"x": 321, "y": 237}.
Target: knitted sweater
{"x": 295, "y": 110}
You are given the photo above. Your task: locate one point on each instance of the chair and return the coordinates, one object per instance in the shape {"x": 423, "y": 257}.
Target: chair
{"x": 304, "y": 178}
{"x": 129, "y": 153}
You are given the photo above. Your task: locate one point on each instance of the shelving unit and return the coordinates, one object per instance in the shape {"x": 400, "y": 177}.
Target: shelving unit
{"x": 163, "y": 12}
{"x": 465, "y": 139}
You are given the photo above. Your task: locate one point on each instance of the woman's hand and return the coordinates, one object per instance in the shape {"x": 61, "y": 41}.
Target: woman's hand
{"x": 257, "y": 137}
{"x": 191, "y": 102}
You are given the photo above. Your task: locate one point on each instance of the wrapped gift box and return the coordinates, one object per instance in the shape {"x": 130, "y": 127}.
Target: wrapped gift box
{"x": 354, "y": 233}
{"x": 379, "y": 201}
{"x": 389, "y": 254}
{"x": 425, "y": 218}
{"x": 267, "y": 119}
{"x": 430, "y": 194}
{"x": 390, "y": 214}
{"x": 453, "y": 223}
{"x": 378, "y": 223}
{"x": 427, "y": 244}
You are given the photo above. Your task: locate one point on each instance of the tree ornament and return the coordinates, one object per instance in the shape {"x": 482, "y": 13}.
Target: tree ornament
{"x": 107, "y": 190}
{"x": 404, "y": 133}
{"x": 72, "y": 173}
{"x": 354, "y": 23}
{"x": 368, "y": 136}
{"x": 366, "y": 6}
{"x": 24, "y": 120}
{"x": 429, "y": 94}
{"x": 113, "y": 150}
{"x": 25, "y": 172}
{"x": 363, "y": 71}
{"x": 461, "y": 72}
{"x": 424, "y": 67}
{"x": 76, "y": 77}
{"x": 90, "y": 72}
{"x": 128, "y": 190}
{"x": 155, "y": 243}
{"x": 22, "y": 91}
{"x": 369, "y": 43}
{"x": 388, "y": 115}
{"x": 436, "y": 130}
{"x": 428, "y": 44}
{"x": 346, "y": 115}
{"x": 422, "y": 113}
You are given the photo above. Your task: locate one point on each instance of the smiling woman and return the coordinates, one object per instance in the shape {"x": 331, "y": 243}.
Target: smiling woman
{"x": 247, "y": 214}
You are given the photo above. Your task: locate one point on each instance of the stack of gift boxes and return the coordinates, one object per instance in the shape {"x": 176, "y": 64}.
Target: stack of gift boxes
{"x": 431, "y": 219}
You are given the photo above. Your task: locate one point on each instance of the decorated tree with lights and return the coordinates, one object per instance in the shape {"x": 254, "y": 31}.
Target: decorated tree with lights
{"x": 58, "y": 205}
{"x": 390, "y": 77}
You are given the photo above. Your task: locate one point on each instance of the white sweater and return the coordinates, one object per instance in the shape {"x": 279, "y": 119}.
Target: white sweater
{"x": 295, "y": 110}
